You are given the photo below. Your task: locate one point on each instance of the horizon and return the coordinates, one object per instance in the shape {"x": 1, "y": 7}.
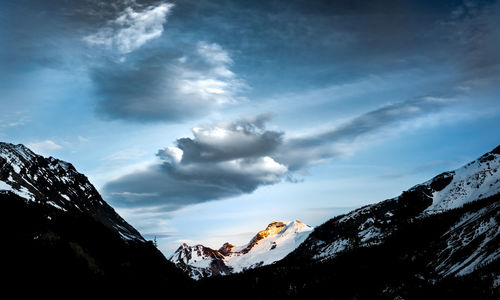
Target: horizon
{"x": 202, "y": 122}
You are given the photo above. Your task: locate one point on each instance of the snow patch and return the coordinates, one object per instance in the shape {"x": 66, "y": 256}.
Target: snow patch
{"x": 476, "y": 180}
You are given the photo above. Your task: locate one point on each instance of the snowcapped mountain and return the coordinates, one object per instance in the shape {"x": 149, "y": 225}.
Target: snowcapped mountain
{"x": 373, "y": 224}
{"x": 266, "y": 247}
{"x": 56, "y": 183}
{"x": 478, "y": 179}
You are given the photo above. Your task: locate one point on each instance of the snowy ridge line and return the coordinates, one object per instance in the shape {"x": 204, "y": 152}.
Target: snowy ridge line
{"x": 372, "y": 224}
{"x": 53, "y": 182}
{"x": 266, "y": 247}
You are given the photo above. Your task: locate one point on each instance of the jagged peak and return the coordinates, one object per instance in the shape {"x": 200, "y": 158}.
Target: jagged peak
{"x": 226, "y": 249}
{"x": 297, "y": 226}
{"x": 496, "y": 150}
{"x": 273, "y": 228}
{"x": 14, "y": 146}
{"x": 16, "y": 150}
{"x": 202, "y": 261}
{"x": 56, "y": 183}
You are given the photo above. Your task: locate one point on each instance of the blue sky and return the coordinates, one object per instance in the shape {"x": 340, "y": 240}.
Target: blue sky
{"x": 203, "y": 121}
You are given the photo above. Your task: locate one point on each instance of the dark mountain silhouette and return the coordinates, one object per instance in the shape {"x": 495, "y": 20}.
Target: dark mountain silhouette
{"x": 60, "y": 238}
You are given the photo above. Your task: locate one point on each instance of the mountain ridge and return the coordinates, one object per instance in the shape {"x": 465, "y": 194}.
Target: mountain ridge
{"x": 269, "y": 245}
{"x": 56, "y": 183}
{"x": 59, "y": 237}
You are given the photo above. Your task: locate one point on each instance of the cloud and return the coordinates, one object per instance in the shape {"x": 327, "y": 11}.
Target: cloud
{"x": 301, "y": 152}
{"x": 475, "y": 33}
{"x": 167, "y": 85}
{"x": 223, "y": 160}
{"x": 132, "y": 29}
{"x": 83, "y": 139}
{"x": 44, "y": 147}
{"x": 227, "y": 159}
{"x": 223, "y": 141}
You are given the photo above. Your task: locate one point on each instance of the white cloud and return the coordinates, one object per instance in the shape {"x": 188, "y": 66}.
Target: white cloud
{"x": 44, "y": 147}
{"x": 214, "y": 83}
{"x": 167, "y": 88}
{"x": 83, "y": 139}
{"x": 132, "y": 29}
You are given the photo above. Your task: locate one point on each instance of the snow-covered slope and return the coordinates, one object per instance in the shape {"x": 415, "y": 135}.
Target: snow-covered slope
{"x": 372, "y": 224}
{"x": 478, "y": 179}
{"x": 266, "y": 247}
{"x": 471, "y": 243}
{"x": 199, "y": 261}
{"x": 56, "y": 183}
{"x": 467, "y": 198}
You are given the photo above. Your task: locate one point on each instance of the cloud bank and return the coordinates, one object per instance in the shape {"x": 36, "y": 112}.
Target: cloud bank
{"x": 227, "y": 159}
{"x": 160, "y": 83}
{"x": 222, "y": 160}
{"x": 168, "y": 85}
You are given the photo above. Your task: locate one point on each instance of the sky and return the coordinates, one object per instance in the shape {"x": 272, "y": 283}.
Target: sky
{"x": 203, "y": 121}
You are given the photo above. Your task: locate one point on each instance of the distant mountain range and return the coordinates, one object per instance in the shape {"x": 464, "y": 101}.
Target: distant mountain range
{"x": 440, "y": 239}
{"x": 266, "y": 247}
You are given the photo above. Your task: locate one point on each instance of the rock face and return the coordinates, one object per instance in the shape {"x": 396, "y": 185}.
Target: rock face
{"x": 57, "y": 183}
{"x": 266, "y": 247}
{"x": 59, "y": 237}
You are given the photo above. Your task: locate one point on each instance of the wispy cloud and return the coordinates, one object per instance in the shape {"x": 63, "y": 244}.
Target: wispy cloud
{"x": 303, "y": 151}
{"x": 132, "y": 29}
{"x": 44, "y": 147}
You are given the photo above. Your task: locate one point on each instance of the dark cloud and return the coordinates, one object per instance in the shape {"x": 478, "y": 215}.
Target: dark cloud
{"x": 333, "y": 42}
{"x": 115, "y": 43}
{"x": 166, "y": 85}
{"x": 476, "y": 34}
{"x": 157, "y": 83}
{"x": 227, "y": 159}
{"x": 154, "y": 71}
{"x": 226, "y": 141}
{"x": 135, "y": 190}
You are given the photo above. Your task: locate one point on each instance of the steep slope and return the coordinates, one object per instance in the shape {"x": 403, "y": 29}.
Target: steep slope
{"x": 372, "y": 224}
{"x": 266, "y": 247}
{"x": 478, "y": 179}
{"x": 60, "y": 238}
{"x": 199, "y": 261}
{"x": 56, "y": 183}
{"x": 439, "y": 239}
